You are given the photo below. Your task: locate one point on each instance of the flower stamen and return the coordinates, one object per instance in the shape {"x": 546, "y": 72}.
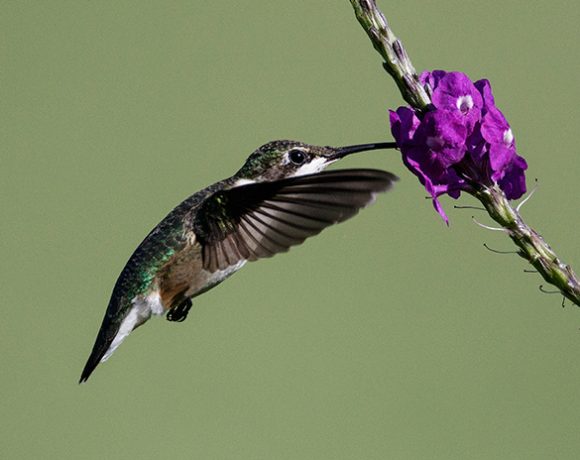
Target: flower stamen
{"x": 464, "y": 103}
{"x": 508, "y": 137}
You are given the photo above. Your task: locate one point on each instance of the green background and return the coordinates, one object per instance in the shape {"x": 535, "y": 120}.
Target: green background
{"x": 389, "y": 336}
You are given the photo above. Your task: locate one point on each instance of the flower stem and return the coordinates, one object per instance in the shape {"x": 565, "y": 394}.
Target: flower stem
{"x": 397, "y": 62}
{"x": 532, "y": 246}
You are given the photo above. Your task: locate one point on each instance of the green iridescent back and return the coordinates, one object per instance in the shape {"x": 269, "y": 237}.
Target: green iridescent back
{"x": 168, "y": 237}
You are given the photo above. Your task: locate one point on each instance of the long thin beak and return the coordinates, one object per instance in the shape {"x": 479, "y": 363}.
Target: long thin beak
{"x": 341, "y": 152}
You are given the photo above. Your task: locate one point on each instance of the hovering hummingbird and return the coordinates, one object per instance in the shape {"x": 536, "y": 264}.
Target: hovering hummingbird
{"x": 276, "y": 200}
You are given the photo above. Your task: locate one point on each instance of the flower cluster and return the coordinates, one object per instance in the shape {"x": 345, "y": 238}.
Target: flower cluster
{"x": 463, "y": 142}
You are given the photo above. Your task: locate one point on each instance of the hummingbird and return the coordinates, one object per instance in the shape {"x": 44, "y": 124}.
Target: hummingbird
{"x": 278, "y": 198}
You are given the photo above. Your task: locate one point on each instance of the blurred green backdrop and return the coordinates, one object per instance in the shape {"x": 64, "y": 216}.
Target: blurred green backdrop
{"x": 390, "y": 336}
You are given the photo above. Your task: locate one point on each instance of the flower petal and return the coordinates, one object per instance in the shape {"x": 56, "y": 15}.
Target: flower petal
{"x": 432, "y": 78}
{"x": 484, "y": 88}
{"x": 404, "y": 123}
{"x": 494, "y": 127}
{"x": 444, "y": 134}
{"x": 513, "y": 182}
{"x": 457, "y": 93}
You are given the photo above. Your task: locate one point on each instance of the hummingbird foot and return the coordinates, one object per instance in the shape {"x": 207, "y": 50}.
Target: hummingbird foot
{"x": 179, "y": 312}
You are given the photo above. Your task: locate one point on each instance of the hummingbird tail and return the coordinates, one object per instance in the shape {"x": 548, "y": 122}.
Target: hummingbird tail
{"x": 113, "y": 333}
{"x": 90, "y": 366}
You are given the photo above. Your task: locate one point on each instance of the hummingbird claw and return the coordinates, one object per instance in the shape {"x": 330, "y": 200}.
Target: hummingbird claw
{"x": 179, "y": 312}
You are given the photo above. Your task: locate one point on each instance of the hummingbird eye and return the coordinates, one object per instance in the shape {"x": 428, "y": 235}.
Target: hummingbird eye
{"x": 297, "y": 156}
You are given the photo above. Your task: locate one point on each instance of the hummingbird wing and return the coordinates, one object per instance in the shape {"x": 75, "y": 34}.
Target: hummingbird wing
{"x": 258, "y": 220}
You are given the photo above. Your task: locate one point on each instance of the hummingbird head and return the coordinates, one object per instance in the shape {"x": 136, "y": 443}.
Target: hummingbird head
{"x": 284, "y": 158}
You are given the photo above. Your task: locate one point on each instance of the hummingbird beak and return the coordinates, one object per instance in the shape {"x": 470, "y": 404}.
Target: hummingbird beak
{"x": 341, "y": 152}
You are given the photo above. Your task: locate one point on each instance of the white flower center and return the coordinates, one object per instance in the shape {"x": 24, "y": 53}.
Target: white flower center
{"x": 508, "y": 137}
{"x": 464, "y": 103}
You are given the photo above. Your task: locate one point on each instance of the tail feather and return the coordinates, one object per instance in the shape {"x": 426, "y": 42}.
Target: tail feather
{"x": 112, "y": 333}
{"x": 102, "y": 344}
{"x": 93, "y": 361}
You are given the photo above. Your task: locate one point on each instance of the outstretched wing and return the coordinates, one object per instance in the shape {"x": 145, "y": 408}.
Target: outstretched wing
{"x": 259, "y": 220}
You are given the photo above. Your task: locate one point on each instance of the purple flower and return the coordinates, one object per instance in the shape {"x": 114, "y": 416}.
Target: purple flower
{"x": 462, "y": 143}
{"x": 432, "y": 79}
{"x": 484, "y": 89}
{"x": 513, "y": 183}
{"x": 456, "y": 94}
{"x": 496, "y": 131}
{"x": 429, "y": 149}
{"x": 444, "y": 134}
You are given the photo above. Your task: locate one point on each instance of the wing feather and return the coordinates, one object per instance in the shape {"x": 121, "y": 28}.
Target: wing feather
{"x": 259, "y": 220}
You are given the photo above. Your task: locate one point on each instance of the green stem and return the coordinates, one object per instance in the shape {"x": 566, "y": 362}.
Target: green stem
{"x": 397, "y": 62}
{"x": 532, "y": 246}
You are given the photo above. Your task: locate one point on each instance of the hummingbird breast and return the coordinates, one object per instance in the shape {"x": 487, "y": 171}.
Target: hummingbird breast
{"x": 183, "y": 276}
